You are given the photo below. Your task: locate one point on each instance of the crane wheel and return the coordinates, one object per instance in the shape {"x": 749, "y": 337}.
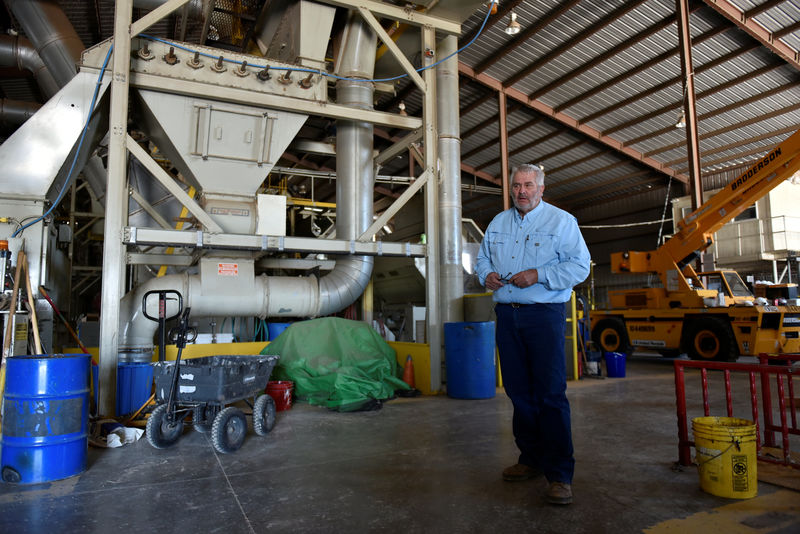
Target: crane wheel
{"x": 710, "y": 338}
{"x": 610, "y": 335}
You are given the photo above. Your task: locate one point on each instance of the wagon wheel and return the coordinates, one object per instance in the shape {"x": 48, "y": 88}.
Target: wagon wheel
{"x": 263, "y": 415}
{"x": 228, "y": 430}
{"x": 160, "y": 433}
{"x": 204, "y": 418}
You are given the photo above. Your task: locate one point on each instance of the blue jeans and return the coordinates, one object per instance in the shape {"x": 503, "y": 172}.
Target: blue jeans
{"x": 531, "y": 343}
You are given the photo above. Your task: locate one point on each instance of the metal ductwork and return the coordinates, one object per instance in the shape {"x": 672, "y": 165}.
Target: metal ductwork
{"x": 211, "y": 293}
{"x": 16, "y": 111}
{"x": 58, "y": 48}
{"x": 51, "y": 33}
{"x": 16, "y": 51}
{"x": 354, "y": 167}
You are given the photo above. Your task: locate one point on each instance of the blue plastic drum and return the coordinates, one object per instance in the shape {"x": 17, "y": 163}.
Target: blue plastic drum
{"x": 45, "y": 417}
{"x": 134, "y": 386}
{"x": 276, "y": 329}
{"x": 469, "y": 359}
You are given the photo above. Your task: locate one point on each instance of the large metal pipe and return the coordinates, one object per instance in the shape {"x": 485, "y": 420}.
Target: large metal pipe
{"x": 354, "y": 166}
{"x": 51, "y": 33}
{"x": 16, "y": 112}
{"x": 451, "y": 279}
{"x": 16, "y": 51}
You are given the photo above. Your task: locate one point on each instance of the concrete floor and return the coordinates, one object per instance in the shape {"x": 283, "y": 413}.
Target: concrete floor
{"x": 428, "y": 464}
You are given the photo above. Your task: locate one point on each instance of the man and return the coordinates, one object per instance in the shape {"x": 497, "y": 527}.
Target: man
{"x": 531, "y": 257}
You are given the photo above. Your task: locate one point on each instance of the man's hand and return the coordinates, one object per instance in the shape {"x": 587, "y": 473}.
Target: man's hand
{"x": 523, "y": 278}
{"x": 493, "y": 282}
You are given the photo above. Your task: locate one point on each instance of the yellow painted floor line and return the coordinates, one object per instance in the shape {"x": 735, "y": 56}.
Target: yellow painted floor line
{"x": 776, "y": 512}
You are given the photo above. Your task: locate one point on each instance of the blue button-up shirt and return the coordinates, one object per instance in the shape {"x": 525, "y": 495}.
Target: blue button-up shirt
{"x": 546, "y": 239}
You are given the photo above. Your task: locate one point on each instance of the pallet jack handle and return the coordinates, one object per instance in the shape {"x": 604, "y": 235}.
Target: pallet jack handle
{"x": 162, "y": 316}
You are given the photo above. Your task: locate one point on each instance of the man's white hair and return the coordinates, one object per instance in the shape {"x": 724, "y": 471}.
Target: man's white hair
{"x": 528, "y": 168}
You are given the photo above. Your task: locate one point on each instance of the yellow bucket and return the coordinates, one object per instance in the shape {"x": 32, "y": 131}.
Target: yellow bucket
{"x": 725, "y": 453}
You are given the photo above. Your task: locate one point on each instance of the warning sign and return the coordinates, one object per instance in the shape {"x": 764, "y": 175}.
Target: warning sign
{"x": 228, "y": 269}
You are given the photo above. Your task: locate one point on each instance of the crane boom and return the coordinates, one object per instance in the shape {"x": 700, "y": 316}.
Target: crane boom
{"x": 695, "y": 232}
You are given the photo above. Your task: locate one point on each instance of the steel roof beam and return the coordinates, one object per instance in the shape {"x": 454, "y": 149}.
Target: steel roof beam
{"x": 708, "y": 92}
{"x": 573, "y": 199}
{"x": 732, "y": 127}
{"x": 526, "y": 34}
{"x": 592, "y": 201}
{"x": 592, "y": 172}
{"x": 766, "y": 6}
{"x": 612, "y": 17}
{"x": 672, "y": 81}
{"x": 636, "y": 39}
{"x": 568, "y": 121}
{"x": 488, "y": 95}
{"x": 511, "y": 132}
{"x": 712, "y": 113}
{"x": 755, "y": 30}
{"x": 787, "y": 30}
{"x": 789, "y": 129}
{"x": 524, "y": 147}
{"x": 593, "y": 187}
{"x": 584, "y": 159}
{"x": 638, "y": 69}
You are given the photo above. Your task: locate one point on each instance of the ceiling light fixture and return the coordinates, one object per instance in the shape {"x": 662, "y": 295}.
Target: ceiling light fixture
{"x": 681, "y": 120}
{"x": 513, "y": 26}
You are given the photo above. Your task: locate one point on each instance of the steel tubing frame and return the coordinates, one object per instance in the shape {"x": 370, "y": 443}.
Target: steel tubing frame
{"x": 768, "y": 427}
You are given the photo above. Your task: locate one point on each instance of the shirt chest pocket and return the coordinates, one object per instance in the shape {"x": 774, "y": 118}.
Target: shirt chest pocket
{"x": 540, "y": 249}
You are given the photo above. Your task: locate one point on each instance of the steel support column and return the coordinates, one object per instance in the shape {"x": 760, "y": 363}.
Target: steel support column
{"x": 116, "y": 210}
{"x": 501, "y": 104}
{"x": 434, "y": 259}
{"x": 689, "y": 108}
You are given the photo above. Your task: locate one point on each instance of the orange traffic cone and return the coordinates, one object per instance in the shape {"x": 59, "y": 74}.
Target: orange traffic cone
{"x": 408, "y": 372}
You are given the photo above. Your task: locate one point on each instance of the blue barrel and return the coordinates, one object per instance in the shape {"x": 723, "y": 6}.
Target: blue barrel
{"x": 45, "y": 417}
{"x": 469, "y": 358}
{"x": 275, "y": 329}
{"x": 134, "y": 386}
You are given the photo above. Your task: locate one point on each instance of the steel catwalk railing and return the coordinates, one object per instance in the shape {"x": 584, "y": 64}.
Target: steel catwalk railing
{"x": 763, "y": 369}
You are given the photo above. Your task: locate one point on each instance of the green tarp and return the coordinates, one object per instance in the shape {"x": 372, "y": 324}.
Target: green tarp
{"x": 337, "y": 363}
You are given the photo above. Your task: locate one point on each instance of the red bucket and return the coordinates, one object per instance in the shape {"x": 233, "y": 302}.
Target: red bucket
{"x": 281, "y": 392}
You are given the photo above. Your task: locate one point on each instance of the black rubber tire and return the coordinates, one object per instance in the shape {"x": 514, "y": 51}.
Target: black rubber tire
{"x": 710, "y": 339}
{"x": 264, "y": 414}
{"x": 161, "y": 434}
{"x": 204, "y": 428}
{"x": 610, "y": 335}
{"x": 229, "y": 430}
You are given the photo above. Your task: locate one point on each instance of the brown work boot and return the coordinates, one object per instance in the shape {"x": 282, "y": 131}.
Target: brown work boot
{"x": 559, "y": 493}
{"x": 520, "y": 472}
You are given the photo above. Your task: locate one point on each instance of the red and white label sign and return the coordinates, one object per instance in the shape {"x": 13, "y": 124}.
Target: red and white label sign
{"x": 228, "y": 269}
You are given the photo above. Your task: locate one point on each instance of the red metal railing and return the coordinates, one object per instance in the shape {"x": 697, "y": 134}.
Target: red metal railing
{"x": 783, "y": 374}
